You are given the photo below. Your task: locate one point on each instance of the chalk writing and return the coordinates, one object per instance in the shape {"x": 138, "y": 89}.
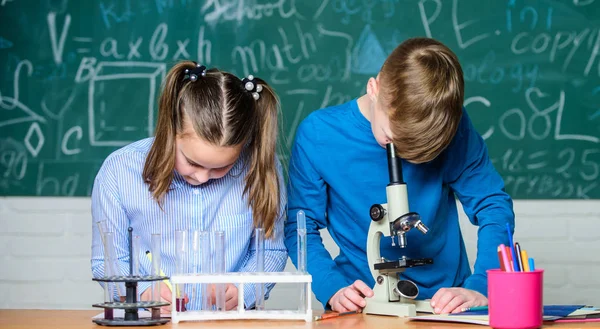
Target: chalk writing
{"x": 81, "y": 79}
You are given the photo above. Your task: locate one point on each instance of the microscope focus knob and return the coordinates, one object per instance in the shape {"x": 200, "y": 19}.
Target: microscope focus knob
{"x": 377, "y": 212}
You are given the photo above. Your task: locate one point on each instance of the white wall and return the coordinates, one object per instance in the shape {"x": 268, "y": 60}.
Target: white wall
{"x": 45, "y": 251}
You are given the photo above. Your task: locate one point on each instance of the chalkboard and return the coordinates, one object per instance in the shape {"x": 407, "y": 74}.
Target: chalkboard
{"x": 81, "y": 78}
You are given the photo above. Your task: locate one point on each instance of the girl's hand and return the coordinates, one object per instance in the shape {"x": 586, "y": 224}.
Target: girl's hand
{"x": 231, "y": 296}
{"x": 165, "y": 296}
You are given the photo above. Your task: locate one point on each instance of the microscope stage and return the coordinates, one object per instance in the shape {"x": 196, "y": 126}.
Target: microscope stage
{"x": 403, "y": 263}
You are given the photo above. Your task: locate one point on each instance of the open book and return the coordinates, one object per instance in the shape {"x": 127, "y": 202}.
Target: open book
{"x": 551, "y": 313}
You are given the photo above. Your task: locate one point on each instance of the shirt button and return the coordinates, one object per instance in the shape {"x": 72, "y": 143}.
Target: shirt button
{"x": 196, "y": 192}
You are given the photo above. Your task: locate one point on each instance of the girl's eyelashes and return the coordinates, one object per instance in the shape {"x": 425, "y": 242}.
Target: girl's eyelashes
{"x": 195, "y": 165}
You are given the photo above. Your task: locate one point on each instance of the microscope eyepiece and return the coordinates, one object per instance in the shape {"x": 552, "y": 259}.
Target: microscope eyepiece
{"x": 394, "y": 165}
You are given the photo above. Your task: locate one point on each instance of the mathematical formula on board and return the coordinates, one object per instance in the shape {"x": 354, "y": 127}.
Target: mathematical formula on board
{"x": 80, "y": 80}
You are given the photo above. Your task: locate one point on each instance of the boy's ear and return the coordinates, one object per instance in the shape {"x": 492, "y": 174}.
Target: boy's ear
{"x": 373, "y": 88}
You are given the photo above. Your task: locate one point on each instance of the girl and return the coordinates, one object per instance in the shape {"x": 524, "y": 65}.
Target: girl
{"x": 212, "y": 166}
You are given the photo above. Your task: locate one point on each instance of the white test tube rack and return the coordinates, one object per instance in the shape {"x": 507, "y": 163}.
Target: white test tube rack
{"x": 241, "y": 279}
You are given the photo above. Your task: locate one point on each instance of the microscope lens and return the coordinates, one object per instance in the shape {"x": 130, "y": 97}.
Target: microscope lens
{"x": 407, "y": 289}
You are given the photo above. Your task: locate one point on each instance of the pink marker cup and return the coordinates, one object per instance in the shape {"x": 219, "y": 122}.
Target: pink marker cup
{"x": 515, "y": 299}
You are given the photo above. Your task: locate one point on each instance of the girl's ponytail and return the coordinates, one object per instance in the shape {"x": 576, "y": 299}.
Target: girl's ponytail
{"x": 262, "y": 182}
{"x": 158, "y": 169}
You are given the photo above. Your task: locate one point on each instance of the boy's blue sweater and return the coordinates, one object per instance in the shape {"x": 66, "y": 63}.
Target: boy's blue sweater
{"x": 337, "y": 171}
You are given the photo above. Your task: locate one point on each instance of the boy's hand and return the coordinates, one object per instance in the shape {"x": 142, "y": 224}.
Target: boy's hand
{"x": 454, "y": 300}
{"x": 351, "y": 298}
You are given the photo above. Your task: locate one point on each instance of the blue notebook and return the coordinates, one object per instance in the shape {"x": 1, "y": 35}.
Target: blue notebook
{"x": 550, "y": 311}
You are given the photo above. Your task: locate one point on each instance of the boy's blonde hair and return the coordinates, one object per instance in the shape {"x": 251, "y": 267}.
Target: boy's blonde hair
{"x": 224, "y": 114}
{"x": 422, "y": 84}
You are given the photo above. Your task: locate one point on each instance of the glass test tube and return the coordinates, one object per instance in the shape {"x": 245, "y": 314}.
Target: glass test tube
{"x": 259, "y": 238}
{"x": 109, "y": 287}
{"x": 181, "y": 257}
{"x": 194, "y": 267}
{"x": 111, "y": 266}
{"x": 135, "y": 256}
{"x": 155, "y": 242}
{"x": 301, "y": 224}
{"x": 220, "y": 268}
{"x": 301, "y": 227}
{"x": 205, "y": 268}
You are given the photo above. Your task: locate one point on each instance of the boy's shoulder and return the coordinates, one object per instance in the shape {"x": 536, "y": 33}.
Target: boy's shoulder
{"x": 327, "y": 116}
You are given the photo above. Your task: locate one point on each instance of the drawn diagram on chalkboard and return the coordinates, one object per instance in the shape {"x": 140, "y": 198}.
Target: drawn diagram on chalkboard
{"x": 37, "y": 139}
{"x": 368, "y": 54}
{"x": 116, "y": 92}
{"x": 17, "y": 112}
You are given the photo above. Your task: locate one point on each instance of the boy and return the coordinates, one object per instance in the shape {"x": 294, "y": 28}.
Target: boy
{"x": 338, "y": 169}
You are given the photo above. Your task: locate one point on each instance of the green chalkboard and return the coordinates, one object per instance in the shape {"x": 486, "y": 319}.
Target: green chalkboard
{"x": 81, "y": 78}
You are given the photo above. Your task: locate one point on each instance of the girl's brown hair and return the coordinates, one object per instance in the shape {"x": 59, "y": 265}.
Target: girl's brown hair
{"x": 422, "y": 83}
{"x": 224, "y": 114}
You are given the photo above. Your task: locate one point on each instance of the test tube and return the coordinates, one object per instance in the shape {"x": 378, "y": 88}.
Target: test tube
{"x": 181, "y": 257}
{"x": 301, "y": 224}
{"x": 259, "y": 238}
{"x": 155, "y": 241}
{"x": 109, "y": 287}
{"x": 220, "y": 268}
{"x": 135, "y": 255}
{"x": 205, "y": 268}
{"x": 194, "y": 267}
{"x": 301, "y": 227}
{"x": 112, "y": 266}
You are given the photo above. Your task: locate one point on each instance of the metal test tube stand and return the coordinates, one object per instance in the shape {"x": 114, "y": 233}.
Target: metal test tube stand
{"x": 131, "y": 304}
{"x": 242, "y": 279}
{"x": 391, "y": 295}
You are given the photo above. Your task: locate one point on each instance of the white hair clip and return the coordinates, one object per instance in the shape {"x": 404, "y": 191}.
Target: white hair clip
{"x": 252, "y": 87}
{"x": 199, "y": 70}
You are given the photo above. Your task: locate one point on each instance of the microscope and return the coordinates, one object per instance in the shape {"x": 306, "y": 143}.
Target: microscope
{"x": 391, "y": 295}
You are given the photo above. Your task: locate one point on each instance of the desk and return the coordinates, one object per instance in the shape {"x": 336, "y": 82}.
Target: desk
{"x": 61, "y": 319}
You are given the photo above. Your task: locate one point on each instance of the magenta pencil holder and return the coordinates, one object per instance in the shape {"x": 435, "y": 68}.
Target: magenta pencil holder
{"x": 515, "y": 299}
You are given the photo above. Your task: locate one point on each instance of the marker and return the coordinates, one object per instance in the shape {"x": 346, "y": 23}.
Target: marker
{"x": 512, "y": 249}
{"x": 326, "y": 316}
{"x": 531, "y": 265}
{"x": 519, "y": 258}
{"x": 149, "y": 255}
{"x": 525, "y": 261}
{"x": 509, "y": 257}
{"x": 501, "y": 259}
{"x": 504, "y": 263}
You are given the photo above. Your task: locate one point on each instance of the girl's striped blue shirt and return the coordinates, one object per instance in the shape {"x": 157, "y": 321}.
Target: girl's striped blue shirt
{"x": 122, "y": 199}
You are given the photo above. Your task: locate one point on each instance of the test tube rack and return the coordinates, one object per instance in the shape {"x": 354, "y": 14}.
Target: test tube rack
{"x": 241, "y": 279}
{"x": 131, "y": 305}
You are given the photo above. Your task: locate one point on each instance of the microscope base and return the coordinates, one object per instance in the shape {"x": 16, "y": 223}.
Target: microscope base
{"x": 390, "y": 308}
{"x": 404, "y": 308}
{"x": 423, "y": 306}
